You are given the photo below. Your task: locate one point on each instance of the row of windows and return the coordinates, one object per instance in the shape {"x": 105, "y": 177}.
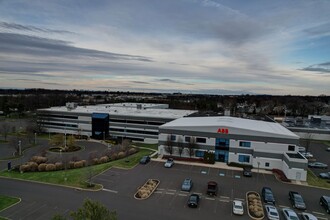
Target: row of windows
{"x": 60, "y": 124}
{"x": 188, "y": 139}
{"x": 58, "y": 116}
{"x": 134, "y": 131}
{"x": 136, "y": 122}
{"x": 244, "y": 144}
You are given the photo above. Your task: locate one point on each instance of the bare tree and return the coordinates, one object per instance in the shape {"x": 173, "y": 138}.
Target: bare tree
{"x": 5, "y": 127}
{"x": 191, "y": 146}
{"x": 180, "y": 146}
{"x": 169, "y": 145}
{"x": 57, "y": 140}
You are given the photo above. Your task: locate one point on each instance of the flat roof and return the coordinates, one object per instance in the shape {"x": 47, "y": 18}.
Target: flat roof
{"x": 239, "y": 126}
{"x": 123, "y": 111}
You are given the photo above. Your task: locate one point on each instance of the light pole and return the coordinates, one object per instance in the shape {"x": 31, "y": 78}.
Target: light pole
{"x": 19, "y": 147}
{"x": 258, "y": 171}
{"x": 35, "y": 138}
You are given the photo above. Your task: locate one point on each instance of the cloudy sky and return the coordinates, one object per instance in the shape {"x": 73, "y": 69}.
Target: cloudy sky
{"x": 192, "y": 46}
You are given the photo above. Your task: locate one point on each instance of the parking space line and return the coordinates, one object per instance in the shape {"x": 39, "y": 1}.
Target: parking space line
{"x": 172, "y": 190}
{"x": 322, "y": 218}
{"x": 109, "y": 190}
{"x": 169, "y": 193}
{"x": 197, "y": 193}
{"x": 318, "y": 213}
{"x": 239, "y": 199}
{"x": 222, "y": 200}
{"x": 182, "y": 194}
{"x": 26, "y": 206}
{"x": 158, "y": 192}
{"x": 224, "y": 197}
{"x": 212, "y": 199}
{"x": 160, "y": 189}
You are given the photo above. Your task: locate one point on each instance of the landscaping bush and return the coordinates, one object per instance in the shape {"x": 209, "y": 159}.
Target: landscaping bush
{"x": 121, "y": 154}
{"x": 71, "y": 164}
{"x": 25, "y": 168}
{"x": 38, "y": 159}
{"x": 95, "y": 161}
{"x": 33, "y": 166}
{"x": 84, "y": 162}
{"x": 114, "y": 156}
{"x": 209, "y": 157}
{"x": 103, "y": 159}
{"x": 50, "y": 167}
{"x": 58, "y": 165}
{"x": 42, "y": 167}
{"x": 78, "y": 164}
{"x": 132, "y": 151}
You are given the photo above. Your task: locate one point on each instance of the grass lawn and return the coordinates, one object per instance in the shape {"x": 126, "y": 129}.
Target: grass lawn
{"x": 77, "y": 177}
{"x": 150, "y": 146}
{"x": 6, "y": 201}
{"x": 315, "y": 181}
{"x": 327, "y": 143}
{"x": 3, "y": 141}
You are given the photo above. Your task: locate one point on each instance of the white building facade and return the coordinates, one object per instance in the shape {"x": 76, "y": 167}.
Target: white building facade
{"x": 264, "y": 145}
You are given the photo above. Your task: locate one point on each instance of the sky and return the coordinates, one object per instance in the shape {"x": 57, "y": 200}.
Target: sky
{"x": 191, "y": 46}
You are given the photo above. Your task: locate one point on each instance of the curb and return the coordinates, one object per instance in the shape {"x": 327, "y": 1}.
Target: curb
{"x": 19, "y": 200}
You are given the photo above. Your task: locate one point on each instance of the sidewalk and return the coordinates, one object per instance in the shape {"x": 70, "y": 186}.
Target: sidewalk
{"x": 218, "y": 165}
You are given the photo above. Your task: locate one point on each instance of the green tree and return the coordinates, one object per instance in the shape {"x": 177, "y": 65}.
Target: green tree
{"x": 93, "y": 210}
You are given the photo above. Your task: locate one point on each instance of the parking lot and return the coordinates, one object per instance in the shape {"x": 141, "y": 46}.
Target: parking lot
{"x": 168, "y": 198}
{"x": 321, "y": 155}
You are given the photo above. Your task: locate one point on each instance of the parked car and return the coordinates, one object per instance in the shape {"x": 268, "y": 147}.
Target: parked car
{"x": 169, "y": 163}
{"x": 325, "y": 175}
{"x": 238, "y": 208}
{"x": 308, "y": 216}
{"x": 145, "y": 160}
{"x": 307, "y": 154}
{"x": 187, "y": 185}
{"x": 301, "y": 149}
{"x": 193, "y": 201}
{"x": 318, "y": 165}
{"x": 247, "y": 171}
{"x": 212, "y": 188}
{"x": 289, "y": 214}
{"x": 271, "y": 212}
{"x": 297, "y": 200}
{"x": 267, "y": 195}
{"x": 325, "y": 203}
{"x": 328, "y": 149}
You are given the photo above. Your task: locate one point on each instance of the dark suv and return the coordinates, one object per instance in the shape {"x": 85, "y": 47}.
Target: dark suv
{"x": 325, "y": 202}
{"x": 267, "y": 195}
{"x": 212, "y": 188}
{"x": 297, "y": 200}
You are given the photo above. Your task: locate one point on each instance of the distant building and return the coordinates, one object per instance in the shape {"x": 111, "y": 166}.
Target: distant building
{"x": 135, "y": 121}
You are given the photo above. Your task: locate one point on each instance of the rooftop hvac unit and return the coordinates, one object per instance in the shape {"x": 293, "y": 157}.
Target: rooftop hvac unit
{"x": 71, "y": 105}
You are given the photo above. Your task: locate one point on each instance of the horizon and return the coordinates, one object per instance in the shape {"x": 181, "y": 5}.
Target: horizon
{"x": 217, "y": 47}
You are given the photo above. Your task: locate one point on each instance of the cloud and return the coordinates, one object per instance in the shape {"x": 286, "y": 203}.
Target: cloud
{"x": 19, "y": 27}
{"x": 24, "y": 44}
{"x": 321, "y": 68}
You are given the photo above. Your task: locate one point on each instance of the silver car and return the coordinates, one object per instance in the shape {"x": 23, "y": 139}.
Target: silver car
{"x": 325, "y": 175}
{"x": 187, "y": 185}
{"x": 308, "y": 216}
{"x": 272, "y": 212}
{"x": 289, "y": 214}
{"x": 169, "y": 163}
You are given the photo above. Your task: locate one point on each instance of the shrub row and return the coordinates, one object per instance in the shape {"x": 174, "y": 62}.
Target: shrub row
{"x": 38, "y": 159}
{"x": 280, "y": 175}
{"x": 77, "y": 164}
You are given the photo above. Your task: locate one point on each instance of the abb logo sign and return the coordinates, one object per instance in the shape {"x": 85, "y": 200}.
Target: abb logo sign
{"x": 222, "y": 130}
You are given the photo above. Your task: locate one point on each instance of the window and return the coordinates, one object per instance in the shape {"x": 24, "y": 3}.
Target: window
{"x": 266, "y": 164}
{"x": 291, "y": 148}
{"x": 173, "y": 137}
{"x": 244, "y": 144}
{"x": 201, "y": 140}
{"x": 199, "y": 153}
{"x": 222, "y": 142}
{"x": 187, "y": 139}
{"x": 244, "y": 158}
